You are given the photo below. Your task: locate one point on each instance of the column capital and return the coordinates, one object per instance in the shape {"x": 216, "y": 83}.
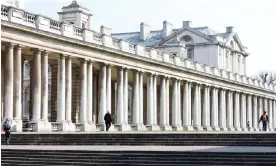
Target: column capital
{"x": 10, "y": 45}
{"x": 18, "y": 46}
{"x": 36, "y": 50}
{"x": 45, "y": 52}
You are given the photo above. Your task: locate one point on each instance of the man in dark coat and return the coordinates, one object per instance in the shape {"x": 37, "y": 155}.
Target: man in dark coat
{"x": 7, "y": 128}
{"x": 264, "y": 119}
{"x": 108, "y": 120}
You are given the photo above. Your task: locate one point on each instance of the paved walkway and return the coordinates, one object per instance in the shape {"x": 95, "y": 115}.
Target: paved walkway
{"x": 152, "y": 132}
{"x": 148, "y": 148}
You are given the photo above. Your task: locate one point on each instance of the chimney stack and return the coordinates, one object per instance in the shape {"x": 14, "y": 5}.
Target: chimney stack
{"x": 187, "y": 24}
{"x": 167, "y": 29}
{"x": 229, "y": 29}
{"x": 144, "y": 31}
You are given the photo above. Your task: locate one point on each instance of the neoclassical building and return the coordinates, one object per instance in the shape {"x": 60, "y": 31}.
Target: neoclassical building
{"x": 64, "y": 76}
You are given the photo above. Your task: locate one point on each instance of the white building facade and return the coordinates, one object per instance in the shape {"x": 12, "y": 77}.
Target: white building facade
{"x": 63, "y": 76}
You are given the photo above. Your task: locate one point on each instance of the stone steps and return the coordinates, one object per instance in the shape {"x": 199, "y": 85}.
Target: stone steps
{"x": 158, "y": 139}
{"x": 72, "y": 157}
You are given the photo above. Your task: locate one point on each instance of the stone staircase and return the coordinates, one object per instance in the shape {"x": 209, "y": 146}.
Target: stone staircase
{"x": 69, "y": 149}
{"x": 74, "y": 157}
{"x": 153, "y": 139}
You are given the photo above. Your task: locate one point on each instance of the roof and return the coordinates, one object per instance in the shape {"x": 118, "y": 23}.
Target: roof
{"x": 75, "y": 4}
{"x": 157, "y": 36}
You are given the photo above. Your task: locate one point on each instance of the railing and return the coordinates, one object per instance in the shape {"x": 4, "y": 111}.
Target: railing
{"x": 56, "y": 27}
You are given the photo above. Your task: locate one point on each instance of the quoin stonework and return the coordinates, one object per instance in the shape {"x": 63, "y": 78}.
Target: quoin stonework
{"x": 60, "y": 75}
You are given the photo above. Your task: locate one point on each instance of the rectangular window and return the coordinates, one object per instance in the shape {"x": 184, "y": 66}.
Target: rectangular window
{"x": 190, "y": 53}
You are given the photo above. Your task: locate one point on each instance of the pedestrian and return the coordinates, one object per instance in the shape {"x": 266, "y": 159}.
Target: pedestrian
{"x": 264, "y": 119}
{"x": 7, "y": 128}
{"x": 108, "y": 120}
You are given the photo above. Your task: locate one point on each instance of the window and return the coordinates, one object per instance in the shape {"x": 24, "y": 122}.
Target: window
{"x": 71, "y": 22}
{"x": 83, "y": 24}
{"x": 232, "y": 44}
{"x": 226, "y": 59}
{"x": 187, "y": 39}
{"x": 190, "y": 53}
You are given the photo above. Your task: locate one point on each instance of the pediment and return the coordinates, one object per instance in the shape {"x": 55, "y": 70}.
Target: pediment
{"x": 234, "y": 40}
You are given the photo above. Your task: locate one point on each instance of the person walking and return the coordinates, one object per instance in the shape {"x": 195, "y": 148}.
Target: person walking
{"x": 7, "y": 128}
{"x": 264, "y": 119}
{"x": 108, "y": 120}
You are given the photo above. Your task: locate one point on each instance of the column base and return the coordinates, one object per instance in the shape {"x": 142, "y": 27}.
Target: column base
{"x": 152, "y": 128}
{"x": 177, "y": 128}
{"x": 250, "y": 129}
{"x": 244, "y": 129}
{"x": 47, "y": 126}
{"x": 188, "y": 128}
{"x": 88, "y": 127}
{"x": 166, "y": 128}
{"x": 17, "y": 126}
{"x": 138, "y": 127}
{"x": 216, "y": 128}
{"x": 66, "y": 126}
{"x": 230, "y": 129}
{"x": 122, "y": 127}
{"x": 37, "y": 126}
{"x": 198, "y": 128}
{"x": 223, "y": 129}
{"x": 238, "y": 129}
{"x": 255, "y": 129}
{"x": 207, "y": 128}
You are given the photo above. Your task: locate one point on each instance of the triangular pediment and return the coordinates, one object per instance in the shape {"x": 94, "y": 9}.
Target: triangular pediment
{"x": 234, "y": 39}
{"x": 183, "y": 33}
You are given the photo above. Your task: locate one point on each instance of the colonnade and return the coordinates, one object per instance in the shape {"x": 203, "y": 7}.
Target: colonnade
{"x": 171, "y": 103}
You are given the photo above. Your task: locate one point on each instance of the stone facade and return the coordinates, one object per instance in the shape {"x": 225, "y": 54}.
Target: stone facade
{"x": 92, "y": 73}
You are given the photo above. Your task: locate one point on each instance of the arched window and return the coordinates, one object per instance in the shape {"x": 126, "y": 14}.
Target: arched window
{"x": 187, "y": 39}
{"x": 232, "y": 44}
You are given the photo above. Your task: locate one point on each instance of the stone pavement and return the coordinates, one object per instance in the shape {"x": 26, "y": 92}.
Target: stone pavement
{"x": 233, "y": 149}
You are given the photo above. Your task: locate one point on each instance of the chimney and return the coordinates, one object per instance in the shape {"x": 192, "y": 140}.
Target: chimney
{"x": 229, "y": 29}
{"x": 106, "y": 30}
{"x": 167, "y": 29}
{"x": 187, "y": 24}
{"x": 144, "y": 31}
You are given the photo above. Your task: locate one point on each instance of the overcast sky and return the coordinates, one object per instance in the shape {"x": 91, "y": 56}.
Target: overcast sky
{"x": 254, "y": 20}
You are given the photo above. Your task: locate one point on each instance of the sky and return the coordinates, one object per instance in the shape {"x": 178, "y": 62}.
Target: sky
{"x": 254, "y": 20}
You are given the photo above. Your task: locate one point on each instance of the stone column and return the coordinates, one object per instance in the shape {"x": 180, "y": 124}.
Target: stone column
{"x": 206, "y": 109}
{"x": 89, "y": 110}
{"x": 222, "y": 111}
{"x": 125, "y": 96}
{"x": 83, "y": 94}
{"x": 168, "y": 103}
{"x": 270, "y": 117}
{"x": 163, "y": 102}
{"x": 249, "y": 113}
{"x": 120, "y": 97}
{"x": 108, "y": 88}
{"x": 230, "y": 115}
{"x": 36, "y": 91}
{"x": 197, "y": 108}
{"x": 243, "y": 112}
{"x": 260, "y": 112}
{"x": 136, "y": 98}
{"x": 150, "y": 100}
{"x": 274, "y": 115}
{"x": 237, "y": 112}
{"x": 175, "y": 105}
{"x": 179, "y": 120}
{"x": 18, "y": 89}
{"x": 214, "y": 111}
{"x": 68, "y": 95}
{"x": 8, "y": 81}
{"x": 141, "y": 100}
{"x": 44, "y": 92}
{"x": 61, "y": 90}
{"x": 155, "y": 100}
{"x": 186, "y": 107}
{"x": 255, "y": 113}
{"x": 102, "y": 97}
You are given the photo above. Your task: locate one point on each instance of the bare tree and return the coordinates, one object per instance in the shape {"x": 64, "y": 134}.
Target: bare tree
{"x": 267, "y": 77}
